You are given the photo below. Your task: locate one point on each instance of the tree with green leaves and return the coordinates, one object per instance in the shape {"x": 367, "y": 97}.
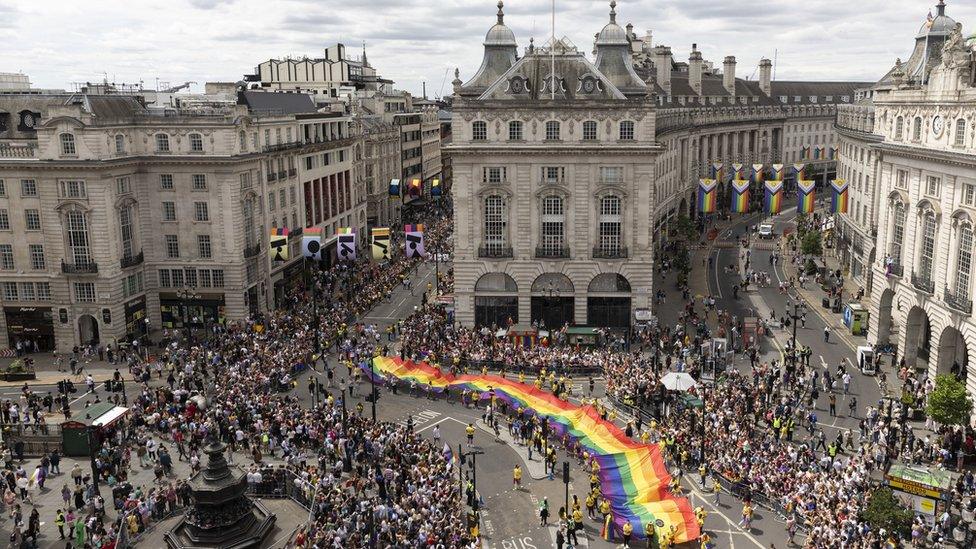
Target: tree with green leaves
{"x": 684, "y": 228}
{"x": 812, "y": 243}
{"x": 949, "y": 403}
{"x": 885, "y": 511}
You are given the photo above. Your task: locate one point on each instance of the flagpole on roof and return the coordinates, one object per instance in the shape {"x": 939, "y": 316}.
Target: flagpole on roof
{"x": 552, "y": 53}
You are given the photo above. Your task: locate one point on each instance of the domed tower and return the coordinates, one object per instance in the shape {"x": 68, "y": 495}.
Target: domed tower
{"x": 501, "y": 52}
{"x": 613, "y": 57}
{"x": 928, "y": 46}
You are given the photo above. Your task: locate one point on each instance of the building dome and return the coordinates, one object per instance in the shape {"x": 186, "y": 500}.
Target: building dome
{"x": 500, "y": 35}
{"x": 941, "y": 25}
{"x": 612, "y": 34}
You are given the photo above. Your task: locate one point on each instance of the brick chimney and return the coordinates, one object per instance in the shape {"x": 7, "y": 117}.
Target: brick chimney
{"x": 662, "y": 64}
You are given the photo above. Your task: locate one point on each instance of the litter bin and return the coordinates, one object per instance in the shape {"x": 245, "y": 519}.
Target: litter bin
{"x": 825, "y": 303}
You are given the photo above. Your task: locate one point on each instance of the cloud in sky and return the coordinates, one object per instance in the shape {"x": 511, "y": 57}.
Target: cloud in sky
{"x": 412, "y": 41}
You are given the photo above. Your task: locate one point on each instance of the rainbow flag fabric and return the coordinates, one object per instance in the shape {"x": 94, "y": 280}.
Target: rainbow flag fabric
{"x": 707, "y": 196}
{"x": 806, "y": 196}
{"x": 740, "y": 196}
{"x": 738, "y": 169}
{"x": 419, "y": 228}
{"x": 838, "y": 202}
{"x": 633, "y": 476}
{"x": 778, "y": 172}
{"x": 774, "y": 197}
{"x": 798, "y": 168}
{"x": 717, "y": 171}
{"x": 757, "y": 173}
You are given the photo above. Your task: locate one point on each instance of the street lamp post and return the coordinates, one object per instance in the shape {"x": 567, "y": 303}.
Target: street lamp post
{"x": 91, "y": 455}
{"x": 186, "y": 294}
{"x": 799, "y": 310}
{"x": 372, "y": 388}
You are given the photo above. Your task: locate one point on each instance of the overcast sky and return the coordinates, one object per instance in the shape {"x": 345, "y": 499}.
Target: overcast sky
{"x": 59, "y": 42}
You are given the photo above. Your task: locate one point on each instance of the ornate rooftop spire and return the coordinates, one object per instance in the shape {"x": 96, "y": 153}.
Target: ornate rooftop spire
{"x": 941, "y": 7}
{"x": 501, "y": 14}
{"x": 613, "y": 11}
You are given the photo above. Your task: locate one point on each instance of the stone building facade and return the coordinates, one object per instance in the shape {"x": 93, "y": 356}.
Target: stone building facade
{"x": 917, "y": 138}
{"x": 634, "y": 125}
{"x": 112, "y": 213}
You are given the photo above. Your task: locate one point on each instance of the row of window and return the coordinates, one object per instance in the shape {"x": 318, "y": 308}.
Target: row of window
{"x": 35, "y": 252}
{"x": 281, "y": 198}
{"x": 161, "y": 140}
{"x": 613, "y": 175}
{"x": 928, "y": 231}
{"x": 553, "y": 223}
{"x": 959, "y": 130}
{"x": 27, "y": 291}
{"x": 189, "y": 276}
{"x": 32, "y": 220}
{"x": 201, "y": 211}
{"x": 516, "y": 130}
{"x": 204, "y": 246}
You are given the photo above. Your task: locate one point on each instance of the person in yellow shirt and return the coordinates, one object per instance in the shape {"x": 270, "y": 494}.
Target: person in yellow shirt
{"x": 644, "y": 437}
{"x": 470, "y": 432}
{"x": 700, "y": 514}
{"x": 628, "y": 530}
{"x": 605, "y": 508}
{"x": 538, "y": 383}
{"x": 517, "y": 477}
{"x": 521, "y": 377}
{"x": 590, "y": 505}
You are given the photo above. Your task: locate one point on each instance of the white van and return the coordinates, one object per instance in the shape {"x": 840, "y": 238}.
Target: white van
{"x": 865, "y": 360}
{"x": 765, "y": 231}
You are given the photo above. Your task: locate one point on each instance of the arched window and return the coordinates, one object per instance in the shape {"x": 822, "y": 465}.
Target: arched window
{"x": 553, "y": 226}
{"x": 120, "y": 144}
{"x": 68, "y": 144}
{"x": 162, "y": 142}
{"x": 917, "y": 129}
{"x": 496, "y": 225}
{"x": 515, "y": 130}
{"x": 589, "y": 130}
{"x": 960, "y": 132}
{"x": 479, "y": 130}
{"x": 926, "y": 264}
{"x": 964, "y": 261}
{"x": 899, "y": 128}
{"x": 626, "y": 130}
{"x": 552, "y": 130}
{"x": 898, "y": 232}
{"x": 196, "y": 142}
{"x": 610, "y": 227}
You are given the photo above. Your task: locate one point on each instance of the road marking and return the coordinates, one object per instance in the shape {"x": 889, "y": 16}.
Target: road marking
{"x": 822, "y": 361}
{"x": 694, "y": 491}
{"x": 436, "y": 423}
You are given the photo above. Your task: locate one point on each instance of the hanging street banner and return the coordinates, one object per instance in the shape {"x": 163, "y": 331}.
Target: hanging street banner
{"x": 414, "y": 240}
{"x": 346, "y": 246}
{"x": 806, "y": 196}
{"x": 312, "y": 243}
{"x": 774, "y": 197}
{"x": 740, "y": 196}
{"x": 707, "y": 196}
{"x": 839, "y": 199}
{"x": 381, "y": 243}
{"x": 278, "y": 242}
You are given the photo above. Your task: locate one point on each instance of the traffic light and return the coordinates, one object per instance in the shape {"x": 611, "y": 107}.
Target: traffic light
{"x": 108, "y": 384}
{"x": 71, "y": 386}
{"x": 565, "y": 472}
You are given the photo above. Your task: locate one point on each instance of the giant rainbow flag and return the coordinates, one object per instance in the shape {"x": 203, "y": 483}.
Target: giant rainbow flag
{"x": 806, "y": 193}
{"x": 707, "y": 196}
{"x": 633, "y": 476}
{"x": 740, "y": 196}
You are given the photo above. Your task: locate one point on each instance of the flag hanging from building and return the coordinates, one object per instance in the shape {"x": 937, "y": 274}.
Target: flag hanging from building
{"x": 757, "y": 173}
{"x": 346, "y": 246}
{"x": 717, "y": 171}
{"x": 739, "y": 174}
{"x": 805, "y": 152}
{"x": 839, "y": 199}
{"x": 381, "y": 243}
{"x": 740, "y": 196}
{"x": 832, "y": 153}
{"x": 278, "y": 242}
{"x": 806, "y": 195}
{"x": 774, "y": 197}
{"x": 435, "y": 187}
{"x": 778, "y": 172}
{"x": 414, "y": 237}
{"x": 394, "y": 187}
{"x": 798, "y": 168}
{"x": 707, "y": 196}
{"x": 312, "y": 243}
{"x": 416, "y": 188}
